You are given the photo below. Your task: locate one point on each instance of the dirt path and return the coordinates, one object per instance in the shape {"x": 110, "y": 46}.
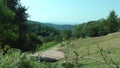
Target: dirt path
{"x": 50, "y": 55}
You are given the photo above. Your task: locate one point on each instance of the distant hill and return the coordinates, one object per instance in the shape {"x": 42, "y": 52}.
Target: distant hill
{"x": 36, "y": 22}
{"x": 58, "y": 27}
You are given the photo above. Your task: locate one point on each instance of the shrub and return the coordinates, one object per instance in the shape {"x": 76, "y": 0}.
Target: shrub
{"x": 15, "y": 59}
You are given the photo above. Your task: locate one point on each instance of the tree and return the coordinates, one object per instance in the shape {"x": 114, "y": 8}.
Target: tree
{"x": 65, "y": 34}
{"x": 16, "y": 31}
{"x": 20, "y": 16}
{"x": 118, "y": 22}
{"x": 102, "y": 27}
{"x": 78, "y": 31}
{"x": 8, "y": 31}
{"x": 112, "y": 24}
{"x": 91, "y": 29}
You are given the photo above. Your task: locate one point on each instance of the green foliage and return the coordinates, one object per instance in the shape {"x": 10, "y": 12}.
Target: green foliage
{"x": 118, "y": 20}
{"x": 15, "y": 59}
{"x": 78, "y": 30}
{"x": 8, "y": 31}
{"x": 57, "y": 38}
{"x": 97, "y": 28}
{"x": 32, "y": 42}
{"x": 14, "y": 30}
{"x": 8, "y": 34}
{"x": 65, "y": 34}
{"x": 112, "y": 23}
{"x": 47, "y": 45}
{"x": 44, "y": 32}
{"x": 5, "y": 13}
{"x": 28, "y": 63}
{"x": 93, "y": 28}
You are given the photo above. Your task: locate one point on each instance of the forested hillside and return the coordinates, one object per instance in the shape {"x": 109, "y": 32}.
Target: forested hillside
{"x": 45, "y": 33}
{"x": 60, "y": 27}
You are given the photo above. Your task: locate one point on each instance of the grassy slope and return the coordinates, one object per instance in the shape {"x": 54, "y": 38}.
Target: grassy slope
{"x": 88, "y": 47}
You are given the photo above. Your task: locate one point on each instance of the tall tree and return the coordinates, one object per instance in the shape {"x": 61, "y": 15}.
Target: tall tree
{"x": 112, "y": 23}
{"x": 25, "y": 38}
{"x": 19, "y": 20}
{"x": 8, "y": 31}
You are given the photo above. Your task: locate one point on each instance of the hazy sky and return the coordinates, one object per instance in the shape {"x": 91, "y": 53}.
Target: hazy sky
{"x": 70, "y": 11}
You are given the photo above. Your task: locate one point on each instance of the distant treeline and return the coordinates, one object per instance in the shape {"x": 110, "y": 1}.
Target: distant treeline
{"x": 98, "y": 28}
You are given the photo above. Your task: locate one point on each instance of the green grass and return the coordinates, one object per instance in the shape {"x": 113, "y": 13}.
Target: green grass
{"x": 47, "y": 45}
{"x": 88, "y": 47}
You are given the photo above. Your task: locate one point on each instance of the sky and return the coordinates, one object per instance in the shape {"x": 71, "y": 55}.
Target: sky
{"x": 69, "y": 11}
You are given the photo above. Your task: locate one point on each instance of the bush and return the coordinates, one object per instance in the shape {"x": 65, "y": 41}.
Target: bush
{"x": 15, "y": 59}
